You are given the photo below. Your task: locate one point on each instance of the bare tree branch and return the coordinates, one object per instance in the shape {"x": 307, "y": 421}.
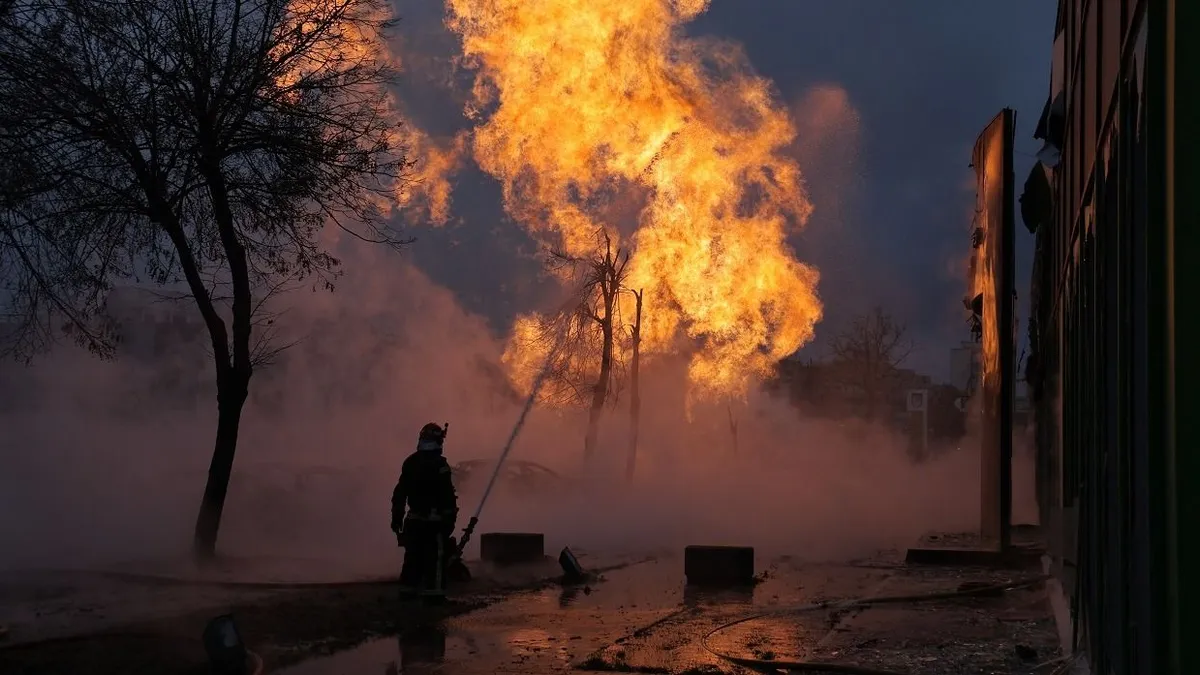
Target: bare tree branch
{"x": 868, "y": 355}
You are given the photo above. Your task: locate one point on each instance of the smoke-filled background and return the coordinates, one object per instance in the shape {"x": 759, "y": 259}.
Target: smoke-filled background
{"x": 875, "y": 106}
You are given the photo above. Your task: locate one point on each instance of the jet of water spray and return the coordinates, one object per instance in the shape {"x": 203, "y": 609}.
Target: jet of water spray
{"x": 560, "y": 337}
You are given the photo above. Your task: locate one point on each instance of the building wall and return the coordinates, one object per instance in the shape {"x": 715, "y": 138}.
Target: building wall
{"x": 1180, "y": 20}
{"x": 1106, "y": 380}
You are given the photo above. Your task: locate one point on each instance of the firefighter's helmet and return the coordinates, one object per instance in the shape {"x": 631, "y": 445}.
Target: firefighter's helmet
{"x": 432, "y": 432}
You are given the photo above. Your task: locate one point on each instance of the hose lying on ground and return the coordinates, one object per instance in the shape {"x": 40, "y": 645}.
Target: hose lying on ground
{"x": 856, "y": 603}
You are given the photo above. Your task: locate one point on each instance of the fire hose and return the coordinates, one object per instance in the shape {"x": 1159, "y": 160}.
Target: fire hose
{"x": 853, "y": 604}
{"x": 508, "y": 446}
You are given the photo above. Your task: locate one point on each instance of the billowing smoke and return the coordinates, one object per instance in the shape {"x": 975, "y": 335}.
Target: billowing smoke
{"x": 106, "y": 461}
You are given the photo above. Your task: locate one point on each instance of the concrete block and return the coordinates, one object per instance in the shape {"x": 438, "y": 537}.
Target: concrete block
{"x": 512, "y": 548}
{"x": 719, "y": 565}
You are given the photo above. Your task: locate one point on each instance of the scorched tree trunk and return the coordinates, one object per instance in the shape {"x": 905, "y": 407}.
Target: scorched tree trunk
{"x": 635, "y": 395}
{"x": 600, "y": 393}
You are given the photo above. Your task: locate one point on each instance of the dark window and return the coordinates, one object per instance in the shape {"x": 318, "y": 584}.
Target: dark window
{"x": 1110, "y": 51}
{"x": 1126, "y": 19}
{"x": 1087, "y": 75}
{"x": 1077, "y": 27}
{"x": 1078, "y": 105}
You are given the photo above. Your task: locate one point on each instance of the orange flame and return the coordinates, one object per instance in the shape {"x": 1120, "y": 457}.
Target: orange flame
{"x": 336, "y": 33}
{"x": 584, "y": 104}
{"x": 984, "y": 274}
{"x": 427, "y": 189}
{"x": 349, "y": 33}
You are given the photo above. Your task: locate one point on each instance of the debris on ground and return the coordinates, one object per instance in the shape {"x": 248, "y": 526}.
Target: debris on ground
{"x": 703, "y": 670}
{"x": 598, "y": 664}
{"x": 994, "y": 632}
{"x": 1027, "y": 653}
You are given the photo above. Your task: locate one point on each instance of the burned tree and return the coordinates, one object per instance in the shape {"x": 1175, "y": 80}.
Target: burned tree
{"x": 581, "y": 337}
{"x": 867, "y": 356}
{"x": 196, "y": 143}
{"x": 635, "y": 391}
{"x": 601, "y": 278}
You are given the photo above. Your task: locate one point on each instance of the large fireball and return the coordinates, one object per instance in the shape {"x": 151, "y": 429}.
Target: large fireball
{"x": 582, "y": 104}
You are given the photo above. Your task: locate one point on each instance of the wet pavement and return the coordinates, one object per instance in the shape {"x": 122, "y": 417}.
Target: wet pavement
{"x": 38, "y": 605}
{"x": 637, "y": 619}
{"x": 55, "y": 604}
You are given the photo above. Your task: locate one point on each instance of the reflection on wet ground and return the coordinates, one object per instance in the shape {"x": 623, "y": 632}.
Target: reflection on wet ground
{"x": 639, "y": 619}
{"x": 421, "y": 645}
{"x": 698, "y": 597}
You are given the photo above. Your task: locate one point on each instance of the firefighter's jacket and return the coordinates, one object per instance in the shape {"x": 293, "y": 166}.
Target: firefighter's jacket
{"x": 426, "y": 485}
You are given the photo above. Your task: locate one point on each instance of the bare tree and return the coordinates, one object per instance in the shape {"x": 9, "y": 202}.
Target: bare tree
{"x": 567, "y": 339}
{"x": 585, "y": 364}
{"x": 197, "y": 142}
{"x": 602, "y": 277}
{"x": 867, "y": 355}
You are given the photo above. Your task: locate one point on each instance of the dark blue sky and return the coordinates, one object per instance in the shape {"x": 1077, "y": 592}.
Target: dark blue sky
{"x": 925, "y": 77}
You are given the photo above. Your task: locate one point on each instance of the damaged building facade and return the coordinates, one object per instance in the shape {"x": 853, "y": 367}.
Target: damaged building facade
{"x": 1111, "y": 373}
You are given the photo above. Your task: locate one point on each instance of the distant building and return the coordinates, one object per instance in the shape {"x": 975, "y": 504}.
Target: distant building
{"x": 825, "y": 389}
{"x": 964, "y": 367}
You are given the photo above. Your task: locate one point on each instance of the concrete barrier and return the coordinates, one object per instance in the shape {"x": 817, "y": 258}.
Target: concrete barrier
{"x": 512, "y": 548}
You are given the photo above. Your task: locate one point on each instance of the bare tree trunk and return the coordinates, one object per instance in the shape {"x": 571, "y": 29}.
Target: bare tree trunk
{"x": 635, "y": 396}
{"x": 231, "y": 396}
{"x": 233, "y": 371}
{"x": 733, "y": 427}
{"x": 600, "y": 392}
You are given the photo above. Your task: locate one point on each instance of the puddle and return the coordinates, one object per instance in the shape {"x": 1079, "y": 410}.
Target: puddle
{"x": 641, "y": 618}
{"x": 546, "y": 631}
{"x": 422, "y": 650}
{"x": 436, "y": 649}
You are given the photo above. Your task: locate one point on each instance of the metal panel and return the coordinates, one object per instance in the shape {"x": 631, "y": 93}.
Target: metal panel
{"x": 993, "y": 278}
